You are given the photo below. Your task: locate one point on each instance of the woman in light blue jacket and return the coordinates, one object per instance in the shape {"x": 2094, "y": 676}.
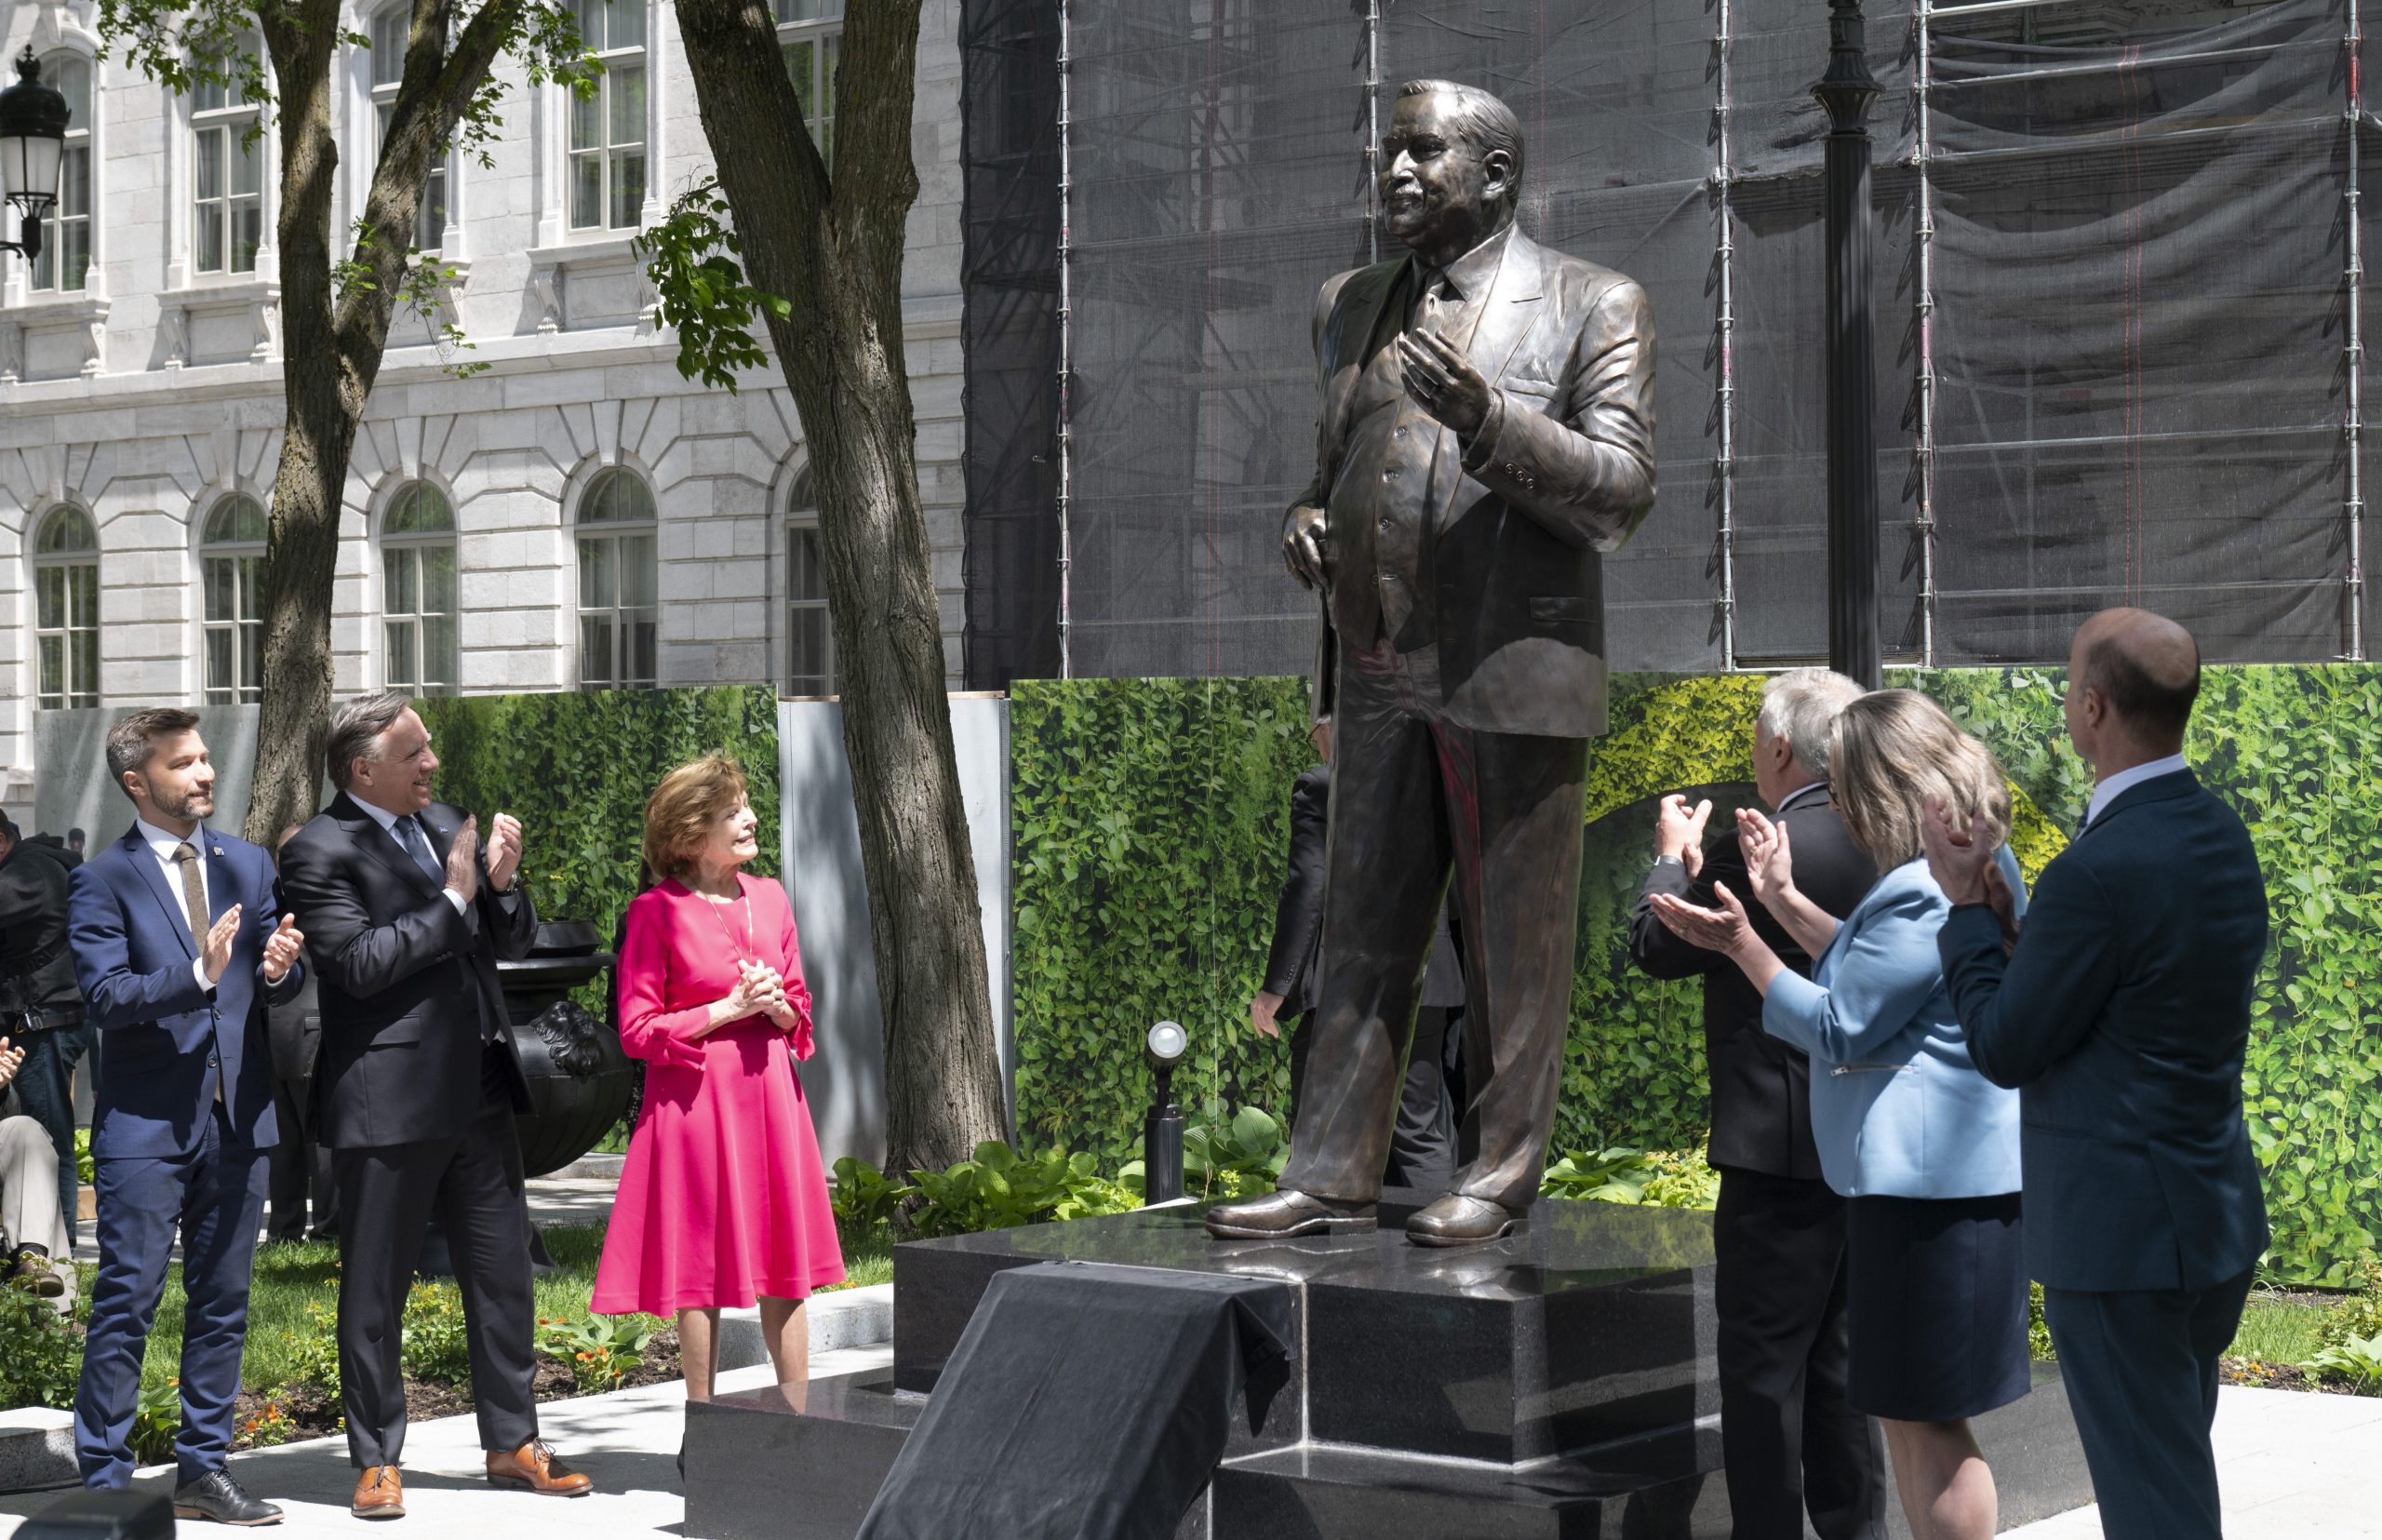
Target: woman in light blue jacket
{"x": 1923, "y": 1147}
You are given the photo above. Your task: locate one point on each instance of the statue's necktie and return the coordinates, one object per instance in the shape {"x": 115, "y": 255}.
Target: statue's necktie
{"x": 193, "y": 894}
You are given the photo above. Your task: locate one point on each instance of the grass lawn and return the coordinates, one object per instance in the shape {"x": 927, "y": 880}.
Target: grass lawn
{"x": 292, "y": 1276}
{"x": 2281, "y": 1328}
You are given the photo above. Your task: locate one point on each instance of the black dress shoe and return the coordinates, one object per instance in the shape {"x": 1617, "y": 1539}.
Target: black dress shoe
{"x": 1456, "y": 1220}
{"x": 1280, "y": 1215}
{"x": 215, "y": 1496}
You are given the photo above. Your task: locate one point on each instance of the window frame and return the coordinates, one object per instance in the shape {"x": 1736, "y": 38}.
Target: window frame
{"x": 405, "y": 548}
{"x": 81, "y": 138}
{"x": 73, "y": 659}
{"x": 801, "y": 516}
{"x": 602, "y": 111}
{"x": 381, "y": 99}
{"x": 825, "y": 32}
{"x": 235, "y": 118}
{"x": 618, "y": 616}
{"x": 245, "y": 555}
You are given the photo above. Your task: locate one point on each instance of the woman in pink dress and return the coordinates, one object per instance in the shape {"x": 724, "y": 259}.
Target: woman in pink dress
{"x": 723, "y": 1199}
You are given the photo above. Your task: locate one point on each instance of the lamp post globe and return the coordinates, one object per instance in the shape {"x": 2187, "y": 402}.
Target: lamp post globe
{"x": 33, "y": 141}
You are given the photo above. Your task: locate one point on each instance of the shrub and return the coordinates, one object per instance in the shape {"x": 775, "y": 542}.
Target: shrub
{"x": 599, "y": 1350}
{"x": 863, "y": 1197}
{"x": 271, "y": 1426}
{"x": 435, "y": 1346}
{"x": 156, "y": 1423}
{"x": 314, "y": 1350}
{"x": 40, "y": 1356}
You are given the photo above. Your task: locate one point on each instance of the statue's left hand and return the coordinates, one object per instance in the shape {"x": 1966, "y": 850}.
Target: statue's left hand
{"x": 1443, "y": 381}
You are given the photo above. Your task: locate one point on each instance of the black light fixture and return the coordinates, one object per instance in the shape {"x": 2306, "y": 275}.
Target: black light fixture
{"x": 32, "y": 142}
{"x": 1162, "y": 1129}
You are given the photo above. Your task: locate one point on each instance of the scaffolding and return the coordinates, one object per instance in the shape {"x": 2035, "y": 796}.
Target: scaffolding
{"x": 1923, "y": 308}
{"x": 1724, "y": 320}
{"x": 2353, "y": 351}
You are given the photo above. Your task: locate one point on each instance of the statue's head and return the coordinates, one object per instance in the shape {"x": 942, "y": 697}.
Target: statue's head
{"x": 1451, "y": 168}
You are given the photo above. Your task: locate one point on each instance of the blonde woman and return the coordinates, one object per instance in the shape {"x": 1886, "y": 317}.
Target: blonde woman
{"x": 723, "y": 1199}
{"x": 1923, "y": 1147}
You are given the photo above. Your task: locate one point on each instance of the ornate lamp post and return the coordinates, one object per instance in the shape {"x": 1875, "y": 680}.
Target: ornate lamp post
{"x": 1847, "y": 92}
{"x": 33, "y": 139}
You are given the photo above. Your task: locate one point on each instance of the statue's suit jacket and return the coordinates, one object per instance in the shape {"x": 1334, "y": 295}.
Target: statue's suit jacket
{"x": 1563, "y": 472}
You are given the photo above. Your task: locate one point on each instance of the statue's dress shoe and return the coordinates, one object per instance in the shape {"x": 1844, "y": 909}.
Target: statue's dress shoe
{"x": 539, "y": 1468}
{"x": 378, "y": 1493}
{"x": 1457, "y": 1220}
{"x": 1279, "y": 1215}
{"x": 215, "y": 1496}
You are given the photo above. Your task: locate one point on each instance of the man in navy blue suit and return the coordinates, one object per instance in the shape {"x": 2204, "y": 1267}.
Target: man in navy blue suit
{"x": 178, "y": 951}
{"x": 2121, "y": 1012}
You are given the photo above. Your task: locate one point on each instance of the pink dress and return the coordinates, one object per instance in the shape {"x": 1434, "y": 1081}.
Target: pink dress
{"x": 723, "y": 1197}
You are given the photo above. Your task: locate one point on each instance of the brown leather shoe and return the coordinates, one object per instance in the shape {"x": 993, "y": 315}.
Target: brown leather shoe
{"x": 1456, "y": 1220}
{"x": 1279, "y": 1215}
{"x": 378, "y": 1493}
{"x": 536, "y": 1466}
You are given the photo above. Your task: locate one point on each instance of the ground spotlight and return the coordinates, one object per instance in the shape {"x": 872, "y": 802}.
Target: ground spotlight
{"x": 1162, "y": 1129}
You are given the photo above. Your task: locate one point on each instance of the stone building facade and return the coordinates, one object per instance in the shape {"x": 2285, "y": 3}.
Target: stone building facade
{"x": 573, "y": 514}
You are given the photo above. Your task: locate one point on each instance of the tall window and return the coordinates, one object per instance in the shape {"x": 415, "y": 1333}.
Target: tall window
{"x": 809, "y": 642}
{"x": 230, "y": 572}
{"x": 65, "y": 257}
{"x": 391, "y": 28}
{"x": 617, "y": 582}
{"x": 607, "y": 128}
{"x": 66, "y": 610}
{"x": 227, "y": 178}
{"x": 811, "y": 33}
{"x": 418, "y": 591}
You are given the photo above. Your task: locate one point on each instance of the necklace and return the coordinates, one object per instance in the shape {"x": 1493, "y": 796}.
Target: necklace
{"x": 719, "y": 908}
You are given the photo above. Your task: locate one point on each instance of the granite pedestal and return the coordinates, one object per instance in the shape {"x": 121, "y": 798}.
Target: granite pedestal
{"x": 1556, "y": 1384}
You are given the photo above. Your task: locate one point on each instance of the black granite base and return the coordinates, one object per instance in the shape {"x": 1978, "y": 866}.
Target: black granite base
{"x": 1556, "y": 1384}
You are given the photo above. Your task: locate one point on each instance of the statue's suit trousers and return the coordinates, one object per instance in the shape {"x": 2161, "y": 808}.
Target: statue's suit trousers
{"x": 1415, "y": 798}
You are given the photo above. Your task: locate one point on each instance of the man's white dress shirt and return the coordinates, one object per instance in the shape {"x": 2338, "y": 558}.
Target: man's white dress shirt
{"x": 162, "y": 844}
{"x": 388, "y": 821}
{"x": 2123, "y": 781}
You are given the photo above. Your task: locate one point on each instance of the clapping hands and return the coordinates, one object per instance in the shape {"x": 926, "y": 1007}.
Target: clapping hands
{"x": 10, "y": 1058}
{"x": 1678, "y": 832}
{"x": 1770, "y": 859}
{"x": 1960, "y": 859}
{"x": 761, "y": 990}
{"x": 1724, "y": 930}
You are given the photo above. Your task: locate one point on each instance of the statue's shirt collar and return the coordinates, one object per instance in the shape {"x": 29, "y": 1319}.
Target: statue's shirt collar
{"x": 1468, "y": 276}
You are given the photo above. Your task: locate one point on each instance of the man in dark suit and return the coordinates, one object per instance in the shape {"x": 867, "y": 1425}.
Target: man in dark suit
{"x": 1487, "y": 430}
{"x": 177, "y": 950}
{"x": 300, "y": 1166}
{"x": 41, "y": 1007}
{"x": 417, "y": 1085}
{"x": 1421, "y": 1144}
{"x": 1790, "y": 1438}
{"x": 2121, "y": 1013}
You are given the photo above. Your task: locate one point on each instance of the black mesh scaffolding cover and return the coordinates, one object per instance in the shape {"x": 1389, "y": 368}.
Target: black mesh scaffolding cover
{"x": 2133, "y": 298}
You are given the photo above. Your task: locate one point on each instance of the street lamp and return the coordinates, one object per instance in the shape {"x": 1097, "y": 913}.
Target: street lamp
{"x": 33, "y": 141}
{"x": 1162, "y": 1129}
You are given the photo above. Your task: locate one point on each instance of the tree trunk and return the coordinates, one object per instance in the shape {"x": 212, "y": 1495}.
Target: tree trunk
{"x": 834, "y": 248}
{"x": 331, "y": 347}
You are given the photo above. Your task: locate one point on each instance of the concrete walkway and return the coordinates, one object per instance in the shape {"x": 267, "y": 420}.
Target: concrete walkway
{"x": 627, "y": 1442}
{"x": 2289, "y": 1464}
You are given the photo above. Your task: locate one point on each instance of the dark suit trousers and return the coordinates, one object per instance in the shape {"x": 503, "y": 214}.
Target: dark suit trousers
{"x": 1414, "y": 798}
{"x": 213, "y": 1196}
{"x": 388, "y": 1194}
{"x": 1790, "y": 1439}
{"x": 300, "y": 1166}
{"x": 1422, "y": 1145}
{"x": 2141, "y": 1373}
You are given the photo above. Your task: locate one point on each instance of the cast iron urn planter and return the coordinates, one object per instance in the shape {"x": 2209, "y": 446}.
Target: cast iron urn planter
{"x": 579, "y": 1081}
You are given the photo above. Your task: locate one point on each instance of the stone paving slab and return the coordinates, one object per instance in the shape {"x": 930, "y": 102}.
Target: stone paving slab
{"x": 628, "y": 1442}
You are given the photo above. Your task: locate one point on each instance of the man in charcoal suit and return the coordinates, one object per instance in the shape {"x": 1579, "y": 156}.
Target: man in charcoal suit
{"x": 417, "y": 1085}
{"x": 1790, "y": 1439}
{"x": 300, "y": 1168}
{"x": 1486, "y": 433}
{"x": 1422, "y": 1145}
{"x": 179, "y": 945}
{"x": 2121, "y": 1013}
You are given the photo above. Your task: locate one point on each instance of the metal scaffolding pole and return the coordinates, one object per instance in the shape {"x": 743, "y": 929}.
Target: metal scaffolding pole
{"x": 1847, "y": 91}
{"x": 1066, "y": 346}
{"x": 1372, "y": 129}
{"x": 1923, "y": 240}
{"x": 2353, "y": 426}
{"x": 1724, "y": 322}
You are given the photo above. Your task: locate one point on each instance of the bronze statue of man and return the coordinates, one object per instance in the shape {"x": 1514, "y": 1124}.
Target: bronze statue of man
{"x": 1487, "y": 430}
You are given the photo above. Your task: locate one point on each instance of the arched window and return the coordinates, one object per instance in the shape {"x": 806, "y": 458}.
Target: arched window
{"x": 227, "y": 178}
{"x": 618, "y": 581}
{"x": 65, "y": 259}
{"x": 810, "y": 34}
{"x": 607, "y": 128}
{"x": 418, "y": 591}
{"x": 391, "y": 26}
{"x": 809, "y": 641}
{"x": 231, "y": 580}
{"x": 66, "y": 610}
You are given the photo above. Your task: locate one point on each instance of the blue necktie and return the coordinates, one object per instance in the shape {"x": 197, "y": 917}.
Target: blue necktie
{"x": 417, "y": 844}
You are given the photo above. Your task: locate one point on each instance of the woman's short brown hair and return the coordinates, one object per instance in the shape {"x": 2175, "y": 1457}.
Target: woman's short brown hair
{"x": 1893, "y": 749}
{"x": 679, "y": 814}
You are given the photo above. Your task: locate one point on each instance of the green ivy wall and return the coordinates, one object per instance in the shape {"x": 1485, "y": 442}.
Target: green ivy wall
{"x": 1149, "y": 820}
